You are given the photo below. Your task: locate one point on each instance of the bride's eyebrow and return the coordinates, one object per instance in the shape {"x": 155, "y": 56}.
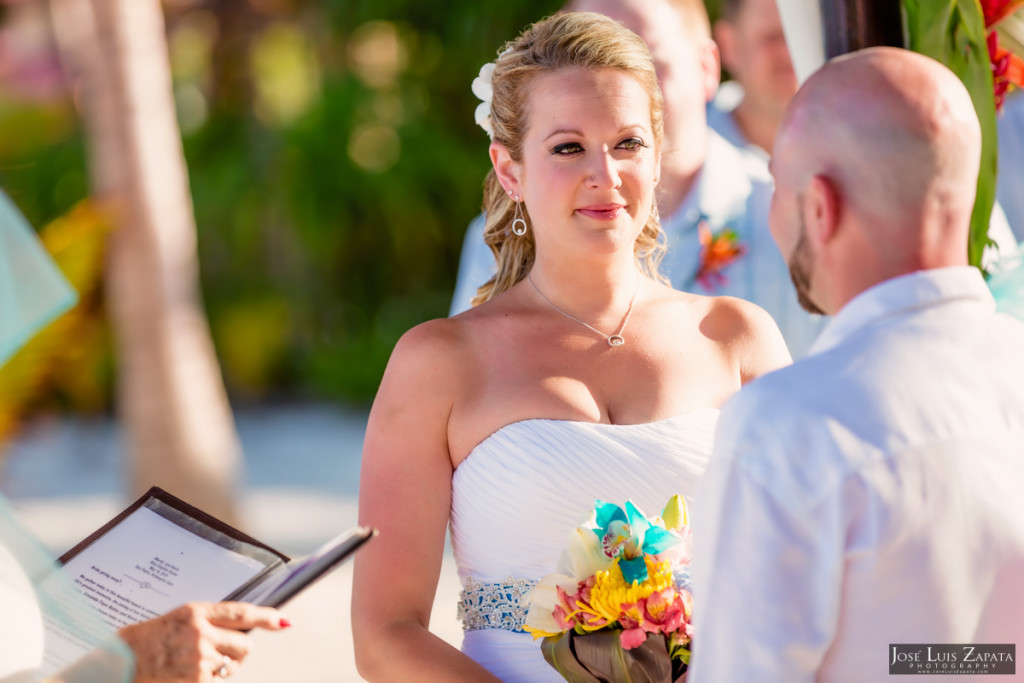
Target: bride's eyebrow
{"x": 563, "y": 131}
{"x": 571, "y": 131}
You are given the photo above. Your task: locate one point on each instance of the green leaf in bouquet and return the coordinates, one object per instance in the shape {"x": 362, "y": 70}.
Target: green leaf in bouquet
{"x": 599, "y": 657}
{"x": 558, "y": 652}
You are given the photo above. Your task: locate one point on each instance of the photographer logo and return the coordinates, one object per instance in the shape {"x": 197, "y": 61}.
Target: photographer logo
{"x": 946, "y": 659}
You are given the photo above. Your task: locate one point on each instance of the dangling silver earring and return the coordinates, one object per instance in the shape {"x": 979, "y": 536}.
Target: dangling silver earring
{"x": 518, "y": 222}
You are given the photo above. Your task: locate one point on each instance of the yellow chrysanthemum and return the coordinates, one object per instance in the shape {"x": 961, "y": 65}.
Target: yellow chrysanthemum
{"x": 611, "y": 592}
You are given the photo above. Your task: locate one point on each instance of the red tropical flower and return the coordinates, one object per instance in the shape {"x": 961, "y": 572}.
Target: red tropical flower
{"x": 1007, "y": 67}
{"x": 997, "y": 10}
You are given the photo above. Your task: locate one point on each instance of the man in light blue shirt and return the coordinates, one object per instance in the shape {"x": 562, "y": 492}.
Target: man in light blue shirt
{"x": 747, "y": 110}
{"x": 707, "y": 186}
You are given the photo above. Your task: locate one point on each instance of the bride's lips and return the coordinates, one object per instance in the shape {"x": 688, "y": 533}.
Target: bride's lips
{"x": 602, "y": 212}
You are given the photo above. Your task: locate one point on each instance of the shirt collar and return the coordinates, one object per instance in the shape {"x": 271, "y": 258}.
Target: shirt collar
{"x": 719, "y": 189}
{"x": 902, "y": 294}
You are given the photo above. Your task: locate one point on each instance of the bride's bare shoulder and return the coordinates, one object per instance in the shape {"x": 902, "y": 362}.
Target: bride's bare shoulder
{"x": 749, "y": 332}
{"x": 431, "y": 343}
{"x": 743, "y": 330}
{"x": 729, "y": 318}
{"x": 451, "y": 341}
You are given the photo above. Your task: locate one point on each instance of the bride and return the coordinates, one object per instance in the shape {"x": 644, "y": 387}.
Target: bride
{"x": 579, "y": 375}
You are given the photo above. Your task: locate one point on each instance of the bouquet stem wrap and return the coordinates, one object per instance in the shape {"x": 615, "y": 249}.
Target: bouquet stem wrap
{"x": 600, "y": 658}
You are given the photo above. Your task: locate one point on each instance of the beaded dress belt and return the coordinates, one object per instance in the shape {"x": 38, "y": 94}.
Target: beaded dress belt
{"x": 494, "y": 605}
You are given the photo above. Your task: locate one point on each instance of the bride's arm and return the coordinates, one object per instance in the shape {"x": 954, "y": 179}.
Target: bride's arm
{"x": 763, "y": 348}
{"x": 405, "y": 492}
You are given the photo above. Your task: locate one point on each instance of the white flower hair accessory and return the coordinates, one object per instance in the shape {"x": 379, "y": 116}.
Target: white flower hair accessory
{"x": 483, "y": 89}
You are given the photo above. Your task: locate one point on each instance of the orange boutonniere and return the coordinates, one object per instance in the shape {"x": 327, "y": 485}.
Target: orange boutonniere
{"x": 716, "y": 253}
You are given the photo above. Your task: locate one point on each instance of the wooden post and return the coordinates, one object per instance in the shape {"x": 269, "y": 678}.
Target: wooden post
{"x": 851, "y": 25}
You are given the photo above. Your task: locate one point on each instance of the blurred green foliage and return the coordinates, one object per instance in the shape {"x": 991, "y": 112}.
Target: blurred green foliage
{"x": 334, "y": 166}
{"x": 954, "y": 33}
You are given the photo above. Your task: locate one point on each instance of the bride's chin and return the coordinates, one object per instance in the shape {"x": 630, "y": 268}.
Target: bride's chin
{"x": 615, "y": 238}
{"x": 596, "y": 240}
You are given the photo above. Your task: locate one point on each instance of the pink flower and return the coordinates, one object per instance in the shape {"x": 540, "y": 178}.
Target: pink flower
{"x": 563, "y": 612}
{"x": 664, "y": 610}
{"x": 632, "y": 637}
{"x": 574, "y": 609}
{"x": 635, "y": 626}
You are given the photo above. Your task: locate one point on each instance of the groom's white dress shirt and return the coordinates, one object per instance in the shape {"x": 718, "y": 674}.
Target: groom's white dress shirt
{"x": 870, "y": 494}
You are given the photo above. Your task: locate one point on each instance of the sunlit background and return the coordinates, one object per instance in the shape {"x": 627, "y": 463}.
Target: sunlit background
{"x": 334, "y": 166}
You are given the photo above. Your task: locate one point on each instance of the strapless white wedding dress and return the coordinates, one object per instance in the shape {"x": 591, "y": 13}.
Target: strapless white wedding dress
{"x": 519, "y": 494}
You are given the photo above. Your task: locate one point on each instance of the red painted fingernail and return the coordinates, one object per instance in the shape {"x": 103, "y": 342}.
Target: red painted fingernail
{"x": 285, "y": 623}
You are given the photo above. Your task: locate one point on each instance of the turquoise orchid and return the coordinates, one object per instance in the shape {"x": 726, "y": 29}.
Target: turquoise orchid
{"x": 627, "y": 535}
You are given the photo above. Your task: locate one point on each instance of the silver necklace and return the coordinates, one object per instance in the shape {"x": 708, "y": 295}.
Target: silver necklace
{"x": 613, "y": 339}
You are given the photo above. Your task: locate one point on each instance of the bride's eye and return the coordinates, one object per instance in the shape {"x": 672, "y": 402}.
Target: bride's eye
{"x": 632, "y": 144}
{"x": 567, "y": 148}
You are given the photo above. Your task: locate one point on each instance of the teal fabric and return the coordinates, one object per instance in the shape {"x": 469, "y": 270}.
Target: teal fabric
{"x": 33, "y": 291}
{"x": 111, "y": 660}
{"x": 1006, "y": 281}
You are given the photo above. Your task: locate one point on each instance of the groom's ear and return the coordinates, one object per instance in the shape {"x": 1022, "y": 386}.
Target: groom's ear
{"x": 822, "y": 207}
{"x": 506, "y": 168}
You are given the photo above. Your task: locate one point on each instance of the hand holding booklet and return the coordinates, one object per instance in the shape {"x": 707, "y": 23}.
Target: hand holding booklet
{"x": 161, "y": 553}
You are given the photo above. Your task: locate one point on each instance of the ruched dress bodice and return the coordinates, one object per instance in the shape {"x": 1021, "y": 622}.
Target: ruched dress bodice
{"x": 521, "y": 491}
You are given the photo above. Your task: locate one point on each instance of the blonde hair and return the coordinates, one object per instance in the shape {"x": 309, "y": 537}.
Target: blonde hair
{"x": 562, "y": 41}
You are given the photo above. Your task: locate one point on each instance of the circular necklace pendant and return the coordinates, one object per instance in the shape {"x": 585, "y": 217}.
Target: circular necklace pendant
{"x": 616, "y": 340}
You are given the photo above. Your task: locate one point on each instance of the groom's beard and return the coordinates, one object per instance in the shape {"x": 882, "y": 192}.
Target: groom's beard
{"x": 800, "y": 272}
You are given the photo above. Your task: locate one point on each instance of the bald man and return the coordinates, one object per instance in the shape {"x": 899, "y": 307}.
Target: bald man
{"x": 870, "y": 496}
{"x": 706, "y": 183}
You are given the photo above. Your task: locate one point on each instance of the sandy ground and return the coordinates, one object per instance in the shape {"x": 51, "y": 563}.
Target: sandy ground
{"x": 301, "y": 487}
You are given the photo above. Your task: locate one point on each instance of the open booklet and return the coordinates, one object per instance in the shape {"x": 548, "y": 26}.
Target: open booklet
{"x": 161, "y": 553}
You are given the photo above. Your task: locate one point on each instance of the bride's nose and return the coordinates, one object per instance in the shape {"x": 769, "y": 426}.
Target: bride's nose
{"x": 604, "y": 173}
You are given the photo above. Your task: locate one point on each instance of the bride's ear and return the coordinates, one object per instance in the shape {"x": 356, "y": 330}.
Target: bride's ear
{"x": 506, "y": 168}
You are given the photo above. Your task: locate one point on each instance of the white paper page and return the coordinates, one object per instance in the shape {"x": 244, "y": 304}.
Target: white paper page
{"x": 143, "y": 567}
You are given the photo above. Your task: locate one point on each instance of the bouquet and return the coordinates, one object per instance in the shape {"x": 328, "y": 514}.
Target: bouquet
{"x": 619, "y": 606}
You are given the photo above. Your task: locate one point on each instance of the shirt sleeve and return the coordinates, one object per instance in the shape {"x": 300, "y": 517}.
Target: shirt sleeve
{"x": 768, "y": 554}
{"x": 476, "y": 266}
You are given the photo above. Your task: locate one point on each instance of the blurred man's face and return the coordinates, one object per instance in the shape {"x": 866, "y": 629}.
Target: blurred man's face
{"x": 682, "y": 74}
{"x": 754, "y": 52}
